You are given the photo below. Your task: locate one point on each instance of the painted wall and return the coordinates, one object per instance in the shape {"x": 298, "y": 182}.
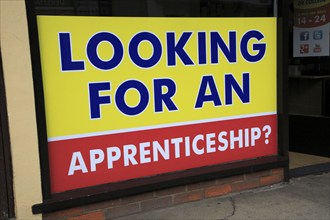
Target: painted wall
{"x": 14, "y": 44}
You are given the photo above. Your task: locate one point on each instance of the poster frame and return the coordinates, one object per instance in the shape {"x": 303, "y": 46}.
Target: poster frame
{"x": 53, "y": 202}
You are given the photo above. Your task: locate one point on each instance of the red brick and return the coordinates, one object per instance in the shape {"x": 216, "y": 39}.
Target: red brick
{"x": 258, "y": 174}
{"x": 138, "y": 198}
{"x": 188, "y": 197}
{"x": 90, "y": 216}
{"x": 64, "y": 213}
{"x": 231, "y": 179}
{"x": 269, "y": 180}
{"x": 156, "y": 203}
{"x": 278, "y": 171}
{"x": 194, "y": 186}
{"x": 171, "y": 191}
{"x": 208, "y": 183}
{"x": 102, "y": 205}
{"x": 122, "y": 210}
{"x": 218, "y": 190}
{"x": 247, "y": 184}
{"x": 201, "y": 185}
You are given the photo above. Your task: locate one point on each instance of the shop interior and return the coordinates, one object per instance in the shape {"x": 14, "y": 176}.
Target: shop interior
{"x": 309, "y": 87}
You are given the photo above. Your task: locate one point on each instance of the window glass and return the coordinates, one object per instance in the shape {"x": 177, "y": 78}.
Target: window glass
{"x": 309, "y": 60}
{"x": 103, "y": 58}
{"x": 309, "y": 25}
{"x": 157, "y": 8}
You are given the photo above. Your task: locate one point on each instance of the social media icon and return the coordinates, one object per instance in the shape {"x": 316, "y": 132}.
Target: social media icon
{"x": 304, "y": 48}
{"x": 317, "y": 35}
{"x": 317, "y": 48}
{"x": 304, "y": 35}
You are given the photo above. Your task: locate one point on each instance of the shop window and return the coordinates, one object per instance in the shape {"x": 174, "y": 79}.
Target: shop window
{"x": 309, "y": 77}
{"x": 54, "y": 193}
{"x": 309, "y": 69}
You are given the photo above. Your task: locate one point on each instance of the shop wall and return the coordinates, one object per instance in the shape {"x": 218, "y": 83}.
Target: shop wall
{"x": 14, "y": 44}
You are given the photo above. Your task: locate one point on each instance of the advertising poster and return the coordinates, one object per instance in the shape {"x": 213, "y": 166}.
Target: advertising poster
{"x": 311, "y": 28}
{"x": 129, "y": 98}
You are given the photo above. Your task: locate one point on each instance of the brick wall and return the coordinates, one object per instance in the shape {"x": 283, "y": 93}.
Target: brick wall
{"x": 169, "y": 197}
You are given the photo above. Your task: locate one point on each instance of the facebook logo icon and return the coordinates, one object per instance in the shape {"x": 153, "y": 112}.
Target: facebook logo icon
{"x": 304, "y": 36}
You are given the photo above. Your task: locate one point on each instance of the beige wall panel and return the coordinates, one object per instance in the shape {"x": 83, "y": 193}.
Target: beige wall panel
{"x": 15, "y": 51}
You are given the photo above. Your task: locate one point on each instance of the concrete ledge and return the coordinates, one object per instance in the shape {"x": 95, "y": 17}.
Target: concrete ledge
{"x": 312, "y": 169}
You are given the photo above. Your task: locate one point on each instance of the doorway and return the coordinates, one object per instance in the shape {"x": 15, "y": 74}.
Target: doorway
{"x": 309, "y": 87}
{"x": 6, "y": 191}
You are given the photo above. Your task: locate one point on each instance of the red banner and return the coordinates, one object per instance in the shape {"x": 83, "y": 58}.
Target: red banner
{"x": 90, "y": 161}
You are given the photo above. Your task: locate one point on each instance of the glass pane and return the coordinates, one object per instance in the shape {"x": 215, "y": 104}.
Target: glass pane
{"x": 157, "y": 8}
{"x": 309, "y": 68}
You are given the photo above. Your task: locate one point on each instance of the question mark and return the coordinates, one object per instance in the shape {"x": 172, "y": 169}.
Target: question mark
{"x": 267, "y": 129}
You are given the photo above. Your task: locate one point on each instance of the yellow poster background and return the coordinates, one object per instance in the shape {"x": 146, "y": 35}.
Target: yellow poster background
{"x": 66, "y": 93}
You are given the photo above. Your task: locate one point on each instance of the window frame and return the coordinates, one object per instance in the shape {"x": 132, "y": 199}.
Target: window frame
{"x": 54, "y": 202}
